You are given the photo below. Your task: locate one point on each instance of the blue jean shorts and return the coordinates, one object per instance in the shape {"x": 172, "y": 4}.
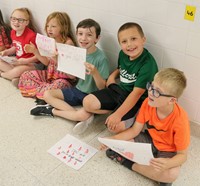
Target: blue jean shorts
{"x": 73, "y": 96}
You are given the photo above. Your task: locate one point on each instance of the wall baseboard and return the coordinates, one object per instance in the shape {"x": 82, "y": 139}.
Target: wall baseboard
{"x": 195, "y": 129}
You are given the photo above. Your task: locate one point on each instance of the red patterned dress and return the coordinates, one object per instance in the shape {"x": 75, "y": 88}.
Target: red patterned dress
{"x": 34, "y": 83}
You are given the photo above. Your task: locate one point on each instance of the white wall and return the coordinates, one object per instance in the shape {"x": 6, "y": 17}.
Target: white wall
{"x": 172, "y": 40}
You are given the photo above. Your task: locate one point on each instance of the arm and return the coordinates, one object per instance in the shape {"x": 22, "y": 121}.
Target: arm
{"x": 115, "y": 118}
{"x": 128, "y": 134}
{"x": 8, "y": 52}
{"x": 30, "y": 48}
{"x": 92, "y": 70}
{"x": 112, "y": 77}
{"x": 162, "y": 164}
{"x": 2, "y": 48}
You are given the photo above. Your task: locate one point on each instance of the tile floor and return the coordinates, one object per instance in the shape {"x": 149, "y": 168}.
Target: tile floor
{"x": 24, "y": 141}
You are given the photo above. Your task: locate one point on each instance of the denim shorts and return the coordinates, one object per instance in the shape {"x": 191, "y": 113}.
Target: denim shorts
{"x": 73, "y": 96}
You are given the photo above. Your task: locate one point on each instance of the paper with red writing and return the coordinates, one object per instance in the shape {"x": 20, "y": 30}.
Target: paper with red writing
{"x": 140, "y": 153}
{"x": 72, "y": 151}
{"x": 46, "y": 45}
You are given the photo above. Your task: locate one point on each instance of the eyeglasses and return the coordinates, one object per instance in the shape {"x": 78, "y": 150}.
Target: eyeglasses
{"x": 20, "y": 20}
{"x": 155, "y": 92}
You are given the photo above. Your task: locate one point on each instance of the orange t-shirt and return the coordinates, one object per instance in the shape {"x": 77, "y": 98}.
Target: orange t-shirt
{"x": 170, "y": 134}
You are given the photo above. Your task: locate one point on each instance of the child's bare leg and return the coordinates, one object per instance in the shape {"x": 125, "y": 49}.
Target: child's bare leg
{"x": 16, "y": 71}
{"x": 4, "y": 66}
{"x": 92, "y": 104}
{"x": 55, "y": 98}
{"x": 62, "y": 109}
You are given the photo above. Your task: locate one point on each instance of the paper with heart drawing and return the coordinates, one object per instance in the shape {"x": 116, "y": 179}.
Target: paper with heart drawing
{"x": 72, "y": 151}
{"x": 137, "y": 152}
{"x": 46, "y": 45}
{"x": 71, "y": 60}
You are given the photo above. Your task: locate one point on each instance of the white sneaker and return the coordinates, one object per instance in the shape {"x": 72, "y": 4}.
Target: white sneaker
{"x": 81, "y": 127}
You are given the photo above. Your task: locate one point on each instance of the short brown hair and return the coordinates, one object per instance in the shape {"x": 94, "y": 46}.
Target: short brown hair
{"x": 131, "y": 25}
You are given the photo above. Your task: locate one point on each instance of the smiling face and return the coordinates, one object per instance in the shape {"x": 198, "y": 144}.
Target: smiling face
{"x": 53, "y": 29}
{"x": 19, "y": 21}
{"x": 131, "y": 42}
{"x": 87, "y": 38}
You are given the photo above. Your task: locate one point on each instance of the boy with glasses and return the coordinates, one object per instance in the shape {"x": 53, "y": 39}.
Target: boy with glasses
{"x": 167, "y": 131}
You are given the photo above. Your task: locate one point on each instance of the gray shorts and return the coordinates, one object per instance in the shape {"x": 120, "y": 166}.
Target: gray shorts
{"x": 144, "y": 137}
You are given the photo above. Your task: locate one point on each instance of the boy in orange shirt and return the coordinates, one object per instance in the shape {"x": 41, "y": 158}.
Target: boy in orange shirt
{"x": 167, "y": 129}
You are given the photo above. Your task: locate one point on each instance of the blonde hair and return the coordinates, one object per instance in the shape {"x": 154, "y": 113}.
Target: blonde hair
{"x": 28, "y": 16}
{"x": 173, "y": 80}
{"x": 64, "y": 23}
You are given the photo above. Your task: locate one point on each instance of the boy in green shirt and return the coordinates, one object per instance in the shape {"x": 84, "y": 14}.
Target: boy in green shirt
{"x": 136, "y": 67}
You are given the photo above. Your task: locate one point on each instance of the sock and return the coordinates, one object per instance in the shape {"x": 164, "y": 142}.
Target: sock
{"x": 128, "y": 164}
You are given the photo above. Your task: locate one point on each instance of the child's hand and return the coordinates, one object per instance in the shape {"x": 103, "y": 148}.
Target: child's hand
{"x": 21, "y": 61}
{"x": 90, "y": 69}
{"x": 3, "y": 53}
{"x": 30, "y": 48}
{"x": 103, "y": 147}
{"x": 110, "y": 80}
{"x": 160, "y": 164}
{"x": 112, "y": 121}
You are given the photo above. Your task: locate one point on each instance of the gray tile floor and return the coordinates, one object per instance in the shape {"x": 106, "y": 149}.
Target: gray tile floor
{"x": 24, "y": 141}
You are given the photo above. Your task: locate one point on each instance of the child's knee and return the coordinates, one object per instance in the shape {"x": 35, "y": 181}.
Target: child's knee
{"x": 46, "y": 94}
{"x": 89, "y": 102}
{"x": 173, "y": 174}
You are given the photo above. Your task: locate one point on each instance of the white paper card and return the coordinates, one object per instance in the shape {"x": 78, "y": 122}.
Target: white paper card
{"x": 140, "y": 153}
{"x": 72, "y": 151}
{"x": 71, "y": 60}
{"x": 46, "y": 45}
{"x": 8, "y": 59}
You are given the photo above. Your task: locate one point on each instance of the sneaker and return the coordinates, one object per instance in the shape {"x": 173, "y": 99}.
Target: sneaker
{"x": 40, "y": 102}
{"x": 42, "y": 111}
{"x": 81, "y": 127}
{"x": 115, "y": 156}
{"x": 15, "y": 82}
{"x": 165, "y": 184}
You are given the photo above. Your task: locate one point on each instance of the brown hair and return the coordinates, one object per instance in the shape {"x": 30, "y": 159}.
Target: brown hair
{"x": 65, "y": 25}
{"x": 131, "y": 25}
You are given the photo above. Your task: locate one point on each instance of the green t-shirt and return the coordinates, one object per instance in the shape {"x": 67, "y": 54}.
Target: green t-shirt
{"x": 99, "y": 60}
{"x": 138, "y": 72}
